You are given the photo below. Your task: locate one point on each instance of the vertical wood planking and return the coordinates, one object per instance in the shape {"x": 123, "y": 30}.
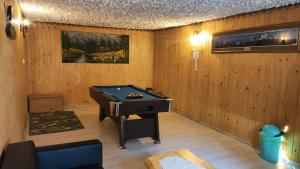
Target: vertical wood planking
{"x": 235, "y": 92}
{"x": 13, "y": 81}
{"x": 47, "y": 73}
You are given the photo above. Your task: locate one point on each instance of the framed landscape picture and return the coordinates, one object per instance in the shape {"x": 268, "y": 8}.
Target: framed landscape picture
{"x": 87, "y": 47}
{"x": 270, "y": 39}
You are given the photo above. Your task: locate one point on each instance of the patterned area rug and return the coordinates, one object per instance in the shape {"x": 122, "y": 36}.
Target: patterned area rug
{"x": 53, "y": 122}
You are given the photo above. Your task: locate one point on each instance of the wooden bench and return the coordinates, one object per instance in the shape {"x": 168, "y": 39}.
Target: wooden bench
{"x": 45, "y": 103}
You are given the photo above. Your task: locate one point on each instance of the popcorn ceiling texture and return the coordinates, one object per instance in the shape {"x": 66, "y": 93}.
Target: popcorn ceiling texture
{"x": 140, "y": 14}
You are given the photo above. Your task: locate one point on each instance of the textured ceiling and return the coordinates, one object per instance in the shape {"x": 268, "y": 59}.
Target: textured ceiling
{"x": 140, "y": 14}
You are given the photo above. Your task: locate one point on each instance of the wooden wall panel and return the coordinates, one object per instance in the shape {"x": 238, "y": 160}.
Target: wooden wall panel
{"x": 47, "y": 73}
{"x": 13, "y": 82}
{"x": 235, "y": 92}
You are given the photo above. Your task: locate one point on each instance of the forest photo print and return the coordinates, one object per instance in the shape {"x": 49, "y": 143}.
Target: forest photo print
{"x": 86, "y": 47}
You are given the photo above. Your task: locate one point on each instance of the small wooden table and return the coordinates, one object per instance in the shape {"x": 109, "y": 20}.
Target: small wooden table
{"x": 153, "y": 162}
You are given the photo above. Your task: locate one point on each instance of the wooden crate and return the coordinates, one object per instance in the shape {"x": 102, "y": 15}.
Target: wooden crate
{"x": 45, "y": 103}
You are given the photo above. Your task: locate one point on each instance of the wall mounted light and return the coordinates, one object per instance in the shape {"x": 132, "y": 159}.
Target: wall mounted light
{"x": 24, "y": 26}
{"x": 12, "y": 23}
{"x": 26, "y": 22}
{"x": 196, "y": 40}
{"x": 9, "y": 28}
{"x": 16, "y": 22}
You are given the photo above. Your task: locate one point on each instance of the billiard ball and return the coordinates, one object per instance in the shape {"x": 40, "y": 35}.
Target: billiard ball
{"x": 118, "y": 88}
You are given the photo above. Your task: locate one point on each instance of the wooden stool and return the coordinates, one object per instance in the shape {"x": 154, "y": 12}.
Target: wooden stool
{"x": 153, "y": 161}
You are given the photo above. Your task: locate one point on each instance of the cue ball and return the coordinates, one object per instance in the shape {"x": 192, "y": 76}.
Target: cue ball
{"x": 118, "y": 88}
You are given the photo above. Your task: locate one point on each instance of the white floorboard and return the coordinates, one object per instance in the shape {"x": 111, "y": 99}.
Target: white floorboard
{"x": 176, "y": 132}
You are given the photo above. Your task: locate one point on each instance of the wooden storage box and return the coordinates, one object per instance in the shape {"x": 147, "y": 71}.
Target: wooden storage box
{"x": 45, "y": 103}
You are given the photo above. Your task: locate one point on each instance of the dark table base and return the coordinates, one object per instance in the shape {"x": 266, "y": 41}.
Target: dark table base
{"x": 146, "y": 126}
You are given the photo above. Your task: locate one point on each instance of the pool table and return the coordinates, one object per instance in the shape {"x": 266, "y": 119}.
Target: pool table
{"x": 114, "y": 103}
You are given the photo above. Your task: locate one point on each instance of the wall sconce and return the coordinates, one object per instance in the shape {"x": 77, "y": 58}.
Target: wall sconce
{"x": 196, "y": 40}
{"x": 199, "y": 38}
{"x": 24, "y": 26}
{"x": 11, "y": 23}
{"x": 24, "y": 23}
{"x": 9, "y": 28}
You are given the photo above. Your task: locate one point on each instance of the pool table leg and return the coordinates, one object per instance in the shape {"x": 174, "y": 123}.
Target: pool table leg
{"x": 156, "y": 137}
{"x": 122, "y": 118}
{"x": 102, "y": 114}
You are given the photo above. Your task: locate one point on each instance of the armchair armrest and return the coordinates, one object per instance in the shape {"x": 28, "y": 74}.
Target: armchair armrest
{"x": 70, "y": 155}
{"x": 19, "y": 155}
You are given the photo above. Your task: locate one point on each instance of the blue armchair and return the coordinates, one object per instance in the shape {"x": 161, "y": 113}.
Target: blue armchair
{"x": 76, "y": 155}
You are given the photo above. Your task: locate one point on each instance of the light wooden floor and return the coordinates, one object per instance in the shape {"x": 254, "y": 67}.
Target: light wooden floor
{"x": 176, "y": 132}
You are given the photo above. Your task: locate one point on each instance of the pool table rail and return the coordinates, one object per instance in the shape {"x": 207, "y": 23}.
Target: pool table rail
{"x": 149, "y": 92}
{"x": 117, "y": 107}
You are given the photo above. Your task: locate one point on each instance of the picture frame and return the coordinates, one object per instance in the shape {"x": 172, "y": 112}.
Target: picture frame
{"x": 268, "y": 39}
{"x": 94, "y": 47}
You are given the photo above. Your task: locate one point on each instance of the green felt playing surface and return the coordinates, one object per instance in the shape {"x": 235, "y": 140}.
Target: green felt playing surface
{"x": 121, "y": 92}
